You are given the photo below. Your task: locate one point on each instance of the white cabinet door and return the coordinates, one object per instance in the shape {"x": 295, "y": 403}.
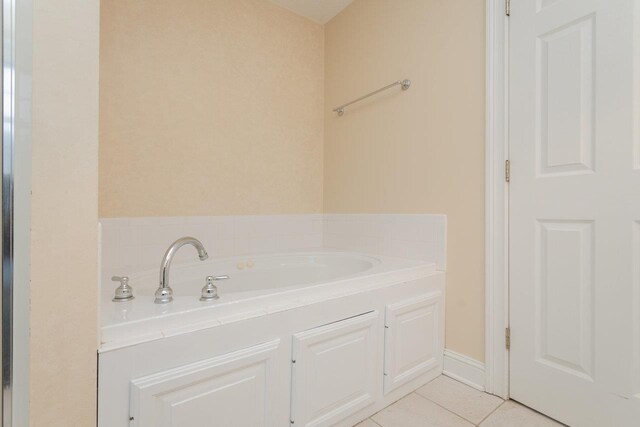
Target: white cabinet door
{"x": 334, "y": 371}
{"x": 574, "y": 143}
{"x": 412, "y": 341}
{"x": 229, "y": 390}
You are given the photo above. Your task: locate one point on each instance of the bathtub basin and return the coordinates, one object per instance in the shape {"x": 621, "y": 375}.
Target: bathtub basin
{"x": 258, "y": 274}
{"x": 258, "y": 285}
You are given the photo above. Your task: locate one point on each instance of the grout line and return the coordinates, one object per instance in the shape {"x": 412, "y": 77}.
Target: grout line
{"x": 446, "y": 409}
{"x": 472, "y": 422}
{"x": 400, "y": 398}
{"x": 492, "y": 412}
{"x": 435, "y": 403}
{"x": 374, "y": 421}
{"x": 538, "y": 412}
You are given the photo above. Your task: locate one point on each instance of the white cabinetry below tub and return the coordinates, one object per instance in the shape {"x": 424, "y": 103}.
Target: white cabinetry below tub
{"x": 228, "y": 390}
{"x": 240, "y": 373}
{"x": 412, "y": 339}
{"x": 334, "y": 370}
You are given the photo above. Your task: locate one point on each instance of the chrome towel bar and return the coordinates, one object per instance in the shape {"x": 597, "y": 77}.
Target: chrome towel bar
{"x": 405, "y": 84}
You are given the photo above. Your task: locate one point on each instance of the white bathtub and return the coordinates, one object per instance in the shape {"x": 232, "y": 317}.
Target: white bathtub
{"x": 349, "y": 332}
{"x": 259, "y": 274}
{"x": 257, "y": 285}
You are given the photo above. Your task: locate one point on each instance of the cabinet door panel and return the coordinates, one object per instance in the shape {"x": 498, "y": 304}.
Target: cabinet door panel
{"x": 334, "y": 370}
{"x": 413, "y": 344}
{"x": 228, "y": 390}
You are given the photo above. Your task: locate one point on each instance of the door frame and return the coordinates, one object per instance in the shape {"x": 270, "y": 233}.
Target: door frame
{"x": 17, "y": 29}
{"x": 496, "y": 199}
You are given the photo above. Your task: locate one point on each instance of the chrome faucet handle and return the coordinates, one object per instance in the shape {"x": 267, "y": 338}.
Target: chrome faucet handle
{"x": 210, "y": 291}
{"x": 124, "y": 292}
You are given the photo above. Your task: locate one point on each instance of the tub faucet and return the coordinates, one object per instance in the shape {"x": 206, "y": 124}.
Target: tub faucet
{"x": 164, "y": 294}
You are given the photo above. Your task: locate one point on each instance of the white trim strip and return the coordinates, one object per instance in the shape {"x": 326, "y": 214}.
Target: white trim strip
{"x": 464, "y": 369}
{"x": 496, "y": 244}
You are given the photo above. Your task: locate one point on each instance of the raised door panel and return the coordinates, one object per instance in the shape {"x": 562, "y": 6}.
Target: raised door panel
{"x": 564, "y": 296}
{"x": 334, "y": 371}
{"x": 565, "y": 93}
{"x": 413, "y": 345}
{"x": 228, "y": 390}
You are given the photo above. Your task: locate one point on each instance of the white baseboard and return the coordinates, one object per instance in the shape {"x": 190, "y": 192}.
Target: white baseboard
{"x": 464, "y": 369}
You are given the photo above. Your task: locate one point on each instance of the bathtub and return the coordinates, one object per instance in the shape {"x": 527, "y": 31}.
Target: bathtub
{"x": 315, "y": 338}
{"x": 250, "y": 276}
{"x": 257, "y": 285}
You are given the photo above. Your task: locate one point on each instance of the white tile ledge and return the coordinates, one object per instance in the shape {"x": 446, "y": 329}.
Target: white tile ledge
{"x": 126, "y": 334}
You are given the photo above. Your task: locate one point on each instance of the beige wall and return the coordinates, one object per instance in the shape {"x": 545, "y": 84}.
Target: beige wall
{"x": 64, "y": 206}
{"x": 209, "y": 108}
{"x": 218, "y": 107}
{"x": 420, "y": 151}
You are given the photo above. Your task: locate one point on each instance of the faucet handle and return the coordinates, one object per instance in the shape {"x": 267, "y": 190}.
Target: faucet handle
{"x": 124, "y": 292}
{"x": 210, "y": 291}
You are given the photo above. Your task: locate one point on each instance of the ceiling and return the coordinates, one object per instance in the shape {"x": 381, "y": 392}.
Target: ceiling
{"x": 320, "y": 11}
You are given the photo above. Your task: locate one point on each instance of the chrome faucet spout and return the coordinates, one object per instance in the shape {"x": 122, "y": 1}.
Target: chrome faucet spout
{"x": 164, "y": 294}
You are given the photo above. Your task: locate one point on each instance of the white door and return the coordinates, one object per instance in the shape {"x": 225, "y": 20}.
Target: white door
{"x": 574, "y": 121}
{"x": 334, "y": 372}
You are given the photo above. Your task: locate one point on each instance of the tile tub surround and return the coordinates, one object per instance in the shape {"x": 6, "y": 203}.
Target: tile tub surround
{"x": 136, "y": 244}
{"x": 420, "y": 237}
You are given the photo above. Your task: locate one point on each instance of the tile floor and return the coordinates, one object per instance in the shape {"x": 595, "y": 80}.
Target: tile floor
{"x": 445, "y": 402}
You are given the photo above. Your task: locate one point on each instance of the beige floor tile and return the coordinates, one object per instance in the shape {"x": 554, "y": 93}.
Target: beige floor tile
{"x": 513, "y": 414}
{"x": 367, "y": 423}
{"x": 465, "y": 401}
{"x": 416, "y": 411}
